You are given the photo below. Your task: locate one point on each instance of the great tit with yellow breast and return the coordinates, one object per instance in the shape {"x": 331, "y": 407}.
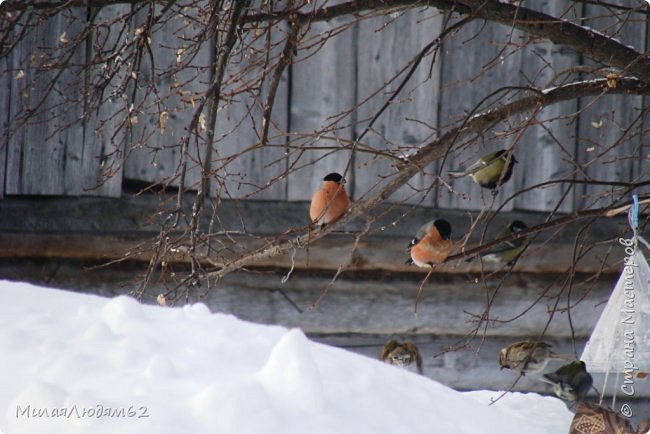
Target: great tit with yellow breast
{"x": 571, "y": 382}
{"x": 509, "y": 251}
{"x": 490, "y": 171}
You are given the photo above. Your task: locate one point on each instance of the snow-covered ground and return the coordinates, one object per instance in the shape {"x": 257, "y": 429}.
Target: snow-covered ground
{"x": 74, "y": 363}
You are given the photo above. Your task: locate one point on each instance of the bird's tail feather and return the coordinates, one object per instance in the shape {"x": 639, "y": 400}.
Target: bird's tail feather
{"x": 551, "y": 378}
{"x": 457, "y": 173}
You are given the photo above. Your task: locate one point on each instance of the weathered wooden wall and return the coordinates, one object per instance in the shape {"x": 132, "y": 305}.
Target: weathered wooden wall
{"x": 326, "y": 80}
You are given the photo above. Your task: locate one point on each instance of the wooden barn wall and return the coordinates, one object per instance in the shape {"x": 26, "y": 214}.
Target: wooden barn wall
{"x": 54, "y": 153}
{"x": 607, "y": 117}
{"x": 40, "y": 158}
{"x": 322, "y": 86}
{"x": 154, "y": 154}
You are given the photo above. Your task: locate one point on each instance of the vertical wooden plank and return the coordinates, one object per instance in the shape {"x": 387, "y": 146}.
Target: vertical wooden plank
{"x": 75, "y": 181}
{"x": 610, "y": 133}
{"x": 245, "y": 166}
{"x": 103, "y": 127}
{"x": 475, "y": 62}
{"x": 322, "y": 91}
{"x": 5, "y": 98}
{"x": 37, "y": 150}
{"x": 94, "y": 165}
{"x": 387, "y": 46}
{"x": 170, "y": 80}
{"x": 548, "y": 145}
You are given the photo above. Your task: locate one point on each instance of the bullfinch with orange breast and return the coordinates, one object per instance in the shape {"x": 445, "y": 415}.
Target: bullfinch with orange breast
{"x": 431, "y": 244}
{"x": 330, "y": 202}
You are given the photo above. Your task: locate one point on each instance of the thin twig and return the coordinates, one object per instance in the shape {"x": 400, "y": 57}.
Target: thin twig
{"x": 420, "y": 289}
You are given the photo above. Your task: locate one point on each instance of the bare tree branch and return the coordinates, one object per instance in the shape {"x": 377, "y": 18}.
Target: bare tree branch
{"x": 608, "y": 211}
{"x": 214, "y": 99}
{"x": 20, "y": 5}
{"x": 213, "y": 89}
{"x": 559, "y": 31}
{"x": 636, "y": 10}
{"x": 437, "y": 149}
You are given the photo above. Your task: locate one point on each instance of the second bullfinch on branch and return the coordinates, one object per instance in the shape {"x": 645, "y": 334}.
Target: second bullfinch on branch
{"x": 330, "y": 202}
{"x": 431, "y": 244}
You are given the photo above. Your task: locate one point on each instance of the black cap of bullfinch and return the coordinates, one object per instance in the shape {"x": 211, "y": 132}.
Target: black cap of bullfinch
{"x": 444, "y": 228}
{"x": 334, "y": 177}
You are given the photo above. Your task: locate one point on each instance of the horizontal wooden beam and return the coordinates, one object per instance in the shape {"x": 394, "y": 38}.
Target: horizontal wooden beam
{"x": 325, "y": 254}
{"x": 95, "y": 229}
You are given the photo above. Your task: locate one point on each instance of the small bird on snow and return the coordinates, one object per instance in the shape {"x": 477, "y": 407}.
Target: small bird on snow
{"x": 402, "y": 355}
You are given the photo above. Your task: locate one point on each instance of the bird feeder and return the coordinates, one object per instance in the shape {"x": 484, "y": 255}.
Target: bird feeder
{"x": 619, "y": 346}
